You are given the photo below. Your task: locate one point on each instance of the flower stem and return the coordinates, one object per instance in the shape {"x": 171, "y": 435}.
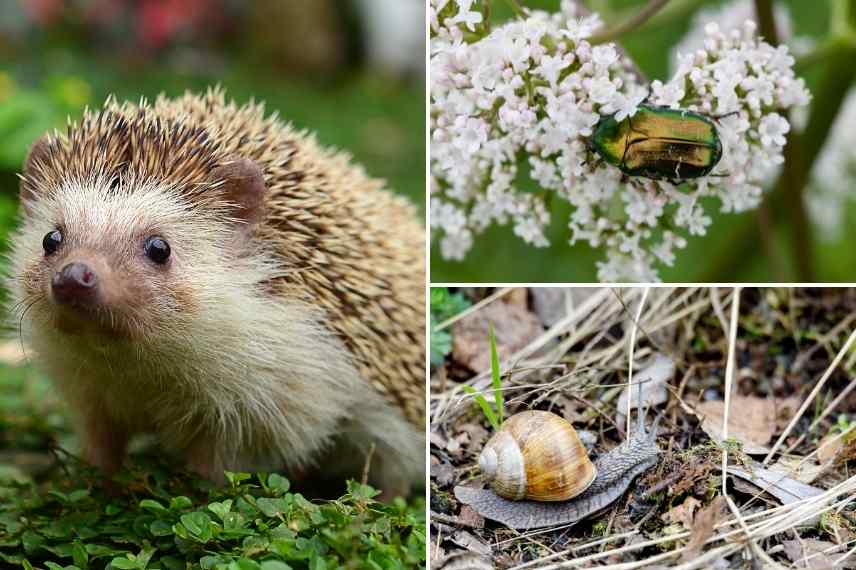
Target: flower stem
{"x": 766, "y": 21}
{"x": 516, "y": 8}
{"x": 767, "y": 27}
{"x": 635, "y": 21}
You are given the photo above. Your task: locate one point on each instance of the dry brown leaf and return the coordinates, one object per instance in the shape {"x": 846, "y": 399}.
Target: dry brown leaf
{"x": 458, "y": 445}
{"x": 691, "y": 474}
{"x": 518, "y": 296}
{"x": 683, "y": 513}
{"x": 817, "y": 554}
{"x": 839, "y": 450}
{"x": 469, "y": 541}
{"x": 777, "y": 483}
{"x": 470, "y": 517}
{"x": 464, "y": 561}
{"x": 751, "y": 420}
{"x": 437, "y": 440}
{"x": 476, "y": 433}
{"x": 443, "y": 474}
{"x": 550, "y": 303}
{"x": 515, "y": 327}
{"x": 652, "y": 379}
{"x": 802, "y": 472}
{"x": 702, "y": 528}
{"x": 828, "y": 450}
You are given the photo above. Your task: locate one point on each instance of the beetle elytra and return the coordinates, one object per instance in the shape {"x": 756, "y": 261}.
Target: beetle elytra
{"x": 660, "y": 143}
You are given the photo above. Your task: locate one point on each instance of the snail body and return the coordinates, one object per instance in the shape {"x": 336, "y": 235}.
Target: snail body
{"x": 537, "y": 456}
{"x": 614, "y": 471}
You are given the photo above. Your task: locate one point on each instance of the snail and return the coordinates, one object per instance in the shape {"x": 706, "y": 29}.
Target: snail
{"x": 521, "y": 497}
{"x": 538, "y": 456}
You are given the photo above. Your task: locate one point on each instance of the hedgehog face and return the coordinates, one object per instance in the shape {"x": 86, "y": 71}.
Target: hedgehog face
{"x": 111, "y": 260}
{"x": 136, "y": 259}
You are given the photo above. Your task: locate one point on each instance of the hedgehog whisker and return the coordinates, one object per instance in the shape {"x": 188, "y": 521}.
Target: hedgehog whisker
{"x": 14, "y": 308}
{"x": 34, "y": 300}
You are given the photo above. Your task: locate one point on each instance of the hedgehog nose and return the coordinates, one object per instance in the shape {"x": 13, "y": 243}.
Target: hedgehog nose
{"x": 74, "y": 283}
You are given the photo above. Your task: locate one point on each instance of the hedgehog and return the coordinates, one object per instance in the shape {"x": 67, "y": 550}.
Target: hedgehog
{"x": 202, "y": 271}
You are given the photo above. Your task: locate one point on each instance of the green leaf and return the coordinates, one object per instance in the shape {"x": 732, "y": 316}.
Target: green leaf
{"x": 124, "y": 563}
{"x": 152, "y": 505}
{"x": 274, "y": 565}
{"x": 361, "y": 492}
{"x": 208, "y": 562}
{"x": 198, "y": 524}
{"x": 278, "y": 482}
{"x": 440, "y": 342}
{"x": 80, "y": 556}
{"x": 160, "y": 528}
{"x": 180, "y": 503}
{"x": 445, "y": 305}
{"x": 145, "y": 555}
{"x": 79, "y": 495}
{"x": 221, "y": 509}
{"x": 496, "y": 376}
{"x": 32, "y": 541}
{"x": 236, "y": 479}
{"x": 272, "y": 507}
{"x": 483, "y": 404}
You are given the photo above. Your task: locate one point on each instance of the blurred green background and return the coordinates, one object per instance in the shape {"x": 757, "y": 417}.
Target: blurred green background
{"x": 342, "y": 69}
{"x": 316, "y": 63}
{"x": 730, "y": 252}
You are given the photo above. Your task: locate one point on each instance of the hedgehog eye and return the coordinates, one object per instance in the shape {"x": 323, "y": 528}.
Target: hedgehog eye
{"x": 157, "y": 249}
{"x": 52, "y": 241}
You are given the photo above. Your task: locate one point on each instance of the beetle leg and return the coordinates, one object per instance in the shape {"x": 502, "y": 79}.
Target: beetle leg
{"x": 636, "y": 183}
{"x": 722, "y": 116}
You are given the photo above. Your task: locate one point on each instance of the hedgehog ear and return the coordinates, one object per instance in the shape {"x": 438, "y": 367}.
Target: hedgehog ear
{"x": 37, "y": 155}
{"x": 243, "y": 185}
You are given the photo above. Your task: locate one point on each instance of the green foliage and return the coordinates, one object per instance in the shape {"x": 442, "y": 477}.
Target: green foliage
{"x": 843, "y": 423}
{"x": 444, "y": 305}
{"x": 485, "y": 406}
{"x": 25, "y": 114}
{"x": 160, "y": 521}
{"x": 495, "y": 419}
{"x": 495, "y": 376}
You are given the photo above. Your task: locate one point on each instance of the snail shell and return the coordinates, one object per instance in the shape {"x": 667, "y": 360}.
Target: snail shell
{"x": 538, "y": 456}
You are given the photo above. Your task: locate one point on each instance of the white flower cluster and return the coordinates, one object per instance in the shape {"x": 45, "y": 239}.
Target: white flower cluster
{"x": 522, "y": 102}
{"x": 732, "y": 15}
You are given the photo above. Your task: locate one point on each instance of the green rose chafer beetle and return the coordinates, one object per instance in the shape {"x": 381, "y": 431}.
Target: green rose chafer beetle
{"x": 660, "y": 143}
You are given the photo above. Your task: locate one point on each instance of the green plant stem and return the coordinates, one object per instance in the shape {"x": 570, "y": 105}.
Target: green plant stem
{"x": 802, "y": 249}
{"x": 634, "y": 22}
{"x": 766, "y": 21}
{"x": 516, "y": 8}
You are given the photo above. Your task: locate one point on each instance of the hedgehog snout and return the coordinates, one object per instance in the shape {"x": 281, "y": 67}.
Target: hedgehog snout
{"x": 75, "y": 284}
